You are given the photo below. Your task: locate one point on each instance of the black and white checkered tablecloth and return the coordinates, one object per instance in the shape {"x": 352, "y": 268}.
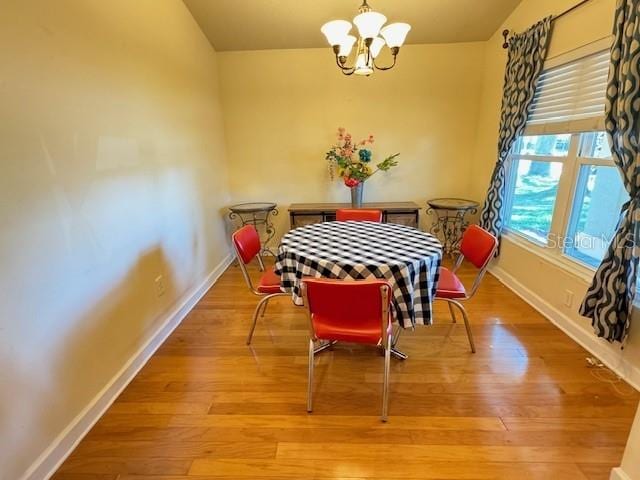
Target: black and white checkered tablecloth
{"x": 407, "y": 258}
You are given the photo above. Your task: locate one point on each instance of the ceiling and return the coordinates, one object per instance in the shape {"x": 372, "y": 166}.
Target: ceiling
{"x": 274, "y": 24}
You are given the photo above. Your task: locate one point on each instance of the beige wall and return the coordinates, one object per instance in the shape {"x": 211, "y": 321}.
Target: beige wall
{"x": 113, "y": 172}
{"x": 544, "y": 278}
{"x": 282, "y": 108}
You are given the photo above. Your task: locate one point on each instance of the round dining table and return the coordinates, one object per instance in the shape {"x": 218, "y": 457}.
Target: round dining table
{"x": 404, "y": 256}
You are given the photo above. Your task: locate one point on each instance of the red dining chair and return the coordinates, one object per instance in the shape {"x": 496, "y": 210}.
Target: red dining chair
{"x": 477, "y": 246}
{"x": 358, "y": 214}
{"x": 246, "y": 242}
{"x": 350, "y": 311}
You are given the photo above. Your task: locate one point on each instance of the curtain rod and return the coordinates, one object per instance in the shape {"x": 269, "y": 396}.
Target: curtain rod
{"x": 506, "y": 32}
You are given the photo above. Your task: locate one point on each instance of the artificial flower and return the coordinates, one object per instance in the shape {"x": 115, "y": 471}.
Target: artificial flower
{"x": 351, "y": 182}
{"x": 365, "y": 155}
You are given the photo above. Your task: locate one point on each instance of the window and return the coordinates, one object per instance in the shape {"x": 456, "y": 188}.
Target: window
{"x": 535, "y": 174}
{"x": 563, "y": 191}
{"x": 599, "y": 196}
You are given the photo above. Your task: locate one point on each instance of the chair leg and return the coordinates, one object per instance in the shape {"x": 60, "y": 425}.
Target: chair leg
{"x": 264, "y": 308}
{"x": 310, "y": 380}
{"x": 385, "y": 385}
{"x": 255, "y": 317}
{"x": 467, "y": 325}
{"x": 451, "y": 311}
{"x": 260, "y": 262}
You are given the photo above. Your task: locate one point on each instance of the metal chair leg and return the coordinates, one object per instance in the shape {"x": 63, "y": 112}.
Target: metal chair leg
{"x": 467, "y": 326}
{"x": 264, "y": 309}
{"x": 324, "y": 346}
{"x": 261, "y": 307}
{"x": 260, "y": 262}
{"x": 451, "y": 311}
{"x": 385, "y": 386}
{"x": 394, "y": 351}
{"x": 255, "y": 317}
{"x": 310, "y": 380}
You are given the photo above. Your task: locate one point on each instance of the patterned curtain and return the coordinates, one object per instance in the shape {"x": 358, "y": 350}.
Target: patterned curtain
{"x": 526, "y": 55}
{"x": 609, "y": 299}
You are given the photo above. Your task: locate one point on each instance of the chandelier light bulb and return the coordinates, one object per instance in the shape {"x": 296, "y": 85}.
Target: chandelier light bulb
{"x": 376, "y": 46}
{"x": 395, "y": 34}
{"x": 336, "y": 31}
{"x": 346, "y": 44}
{"x": 369, "y": 24}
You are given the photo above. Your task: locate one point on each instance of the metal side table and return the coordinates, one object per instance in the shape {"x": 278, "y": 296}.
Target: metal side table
{"x": 450, "y": 221}
{"x": 259, "y": 215}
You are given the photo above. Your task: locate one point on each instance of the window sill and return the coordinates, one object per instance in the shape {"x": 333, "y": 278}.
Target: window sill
{"x": 569, "y": 266}
{"x": 555, "y": 258}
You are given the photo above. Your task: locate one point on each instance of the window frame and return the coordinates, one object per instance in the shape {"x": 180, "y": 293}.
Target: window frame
{"x": 566, "y": 196}
{"x": 511, "y": 176}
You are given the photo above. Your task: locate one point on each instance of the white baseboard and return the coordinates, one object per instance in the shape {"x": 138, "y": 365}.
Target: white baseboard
{"x": 610, "y": 356}
{"x": 49, "y": 461}
{"x": 619, "y": 474}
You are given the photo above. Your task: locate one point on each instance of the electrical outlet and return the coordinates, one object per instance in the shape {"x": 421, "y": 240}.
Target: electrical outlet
{"x": 568, "y": 298}
{"x": 160, "y": 287}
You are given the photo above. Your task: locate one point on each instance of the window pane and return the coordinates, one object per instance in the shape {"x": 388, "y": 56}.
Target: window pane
{"x": 595, "y": 145}
{"x": 596, "y": 210}
{"x": 547, "y": 145}
{"x": 533, "y": 197}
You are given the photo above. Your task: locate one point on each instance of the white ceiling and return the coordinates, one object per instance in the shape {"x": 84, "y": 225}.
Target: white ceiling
{"x": 274, "y": 24}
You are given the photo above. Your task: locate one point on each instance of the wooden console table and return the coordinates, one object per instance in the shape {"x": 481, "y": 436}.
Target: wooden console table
{"x": 404, "y": 213}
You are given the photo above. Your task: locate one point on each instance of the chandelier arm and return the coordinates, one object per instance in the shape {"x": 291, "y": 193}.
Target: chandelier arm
{"x": 344, "y": 69}
{"x": 386, "y": 68}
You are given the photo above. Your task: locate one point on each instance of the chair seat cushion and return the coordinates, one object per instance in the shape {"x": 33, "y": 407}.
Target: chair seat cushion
{"x": 269, "y": 282}
{"x": 344, "y": 332}
{"x": 449, "y": 285}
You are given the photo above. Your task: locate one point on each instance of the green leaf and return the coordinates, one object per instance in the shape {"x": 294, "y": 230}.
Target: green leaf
{"x": 388, "y": 162}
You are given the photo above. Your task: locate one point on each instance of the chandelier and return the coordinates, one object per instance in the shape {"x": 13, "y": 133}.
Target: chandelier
{"x": 369, "y": 45}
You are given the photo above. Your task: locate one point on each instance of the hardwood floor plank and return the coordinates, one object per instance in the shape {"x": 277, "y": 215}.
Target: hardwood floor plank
{"x": 85, "y": 476}
{"x": 340, "y": 421}
{"x": 564, "y": 423}
{"x": 142, "y": 408}
{"x": 337, "y": 452}
{"x": 299, "y": 468}
{"x": 120, "y": 465}
{"x": 595, "y": 471}
{"x": 266, "y": 435}
{"x": 167, "y": 447}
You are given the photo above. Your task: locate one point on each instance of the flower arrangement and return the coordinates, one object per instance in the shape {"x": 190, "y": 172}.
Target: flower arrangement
{"x": 352, "y": 160}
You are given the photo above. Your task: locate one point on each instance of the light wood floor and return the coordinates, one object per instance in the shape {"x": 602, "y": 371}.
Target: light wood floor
{"x": 525, "y": 406}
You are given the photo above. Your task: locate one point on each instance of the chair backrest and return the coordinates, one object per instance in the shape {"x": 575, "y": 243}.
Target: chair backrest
{"x": 358, "y": 214}
{"x": 247, "y": 243}
{"x": 478, "y": 246}
{"x": 356, "y": 304}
